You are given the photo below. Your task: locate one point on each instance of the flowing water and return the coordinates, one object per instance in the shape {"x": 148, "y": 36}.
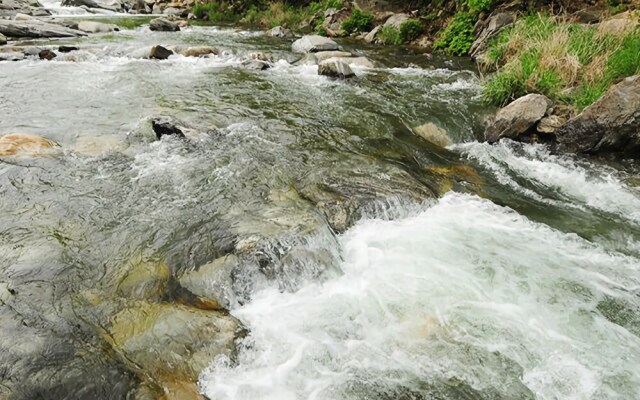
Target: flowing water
{"x": 372, "y": 263}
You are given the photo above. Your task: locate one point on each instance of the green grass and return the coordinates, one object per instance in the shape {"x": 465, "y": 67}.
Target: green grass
{"x": 569, "y": 63}
{"x": 456, "y": 39}
{"x": 358, "y": 22}
{"x": 282, "y": 14}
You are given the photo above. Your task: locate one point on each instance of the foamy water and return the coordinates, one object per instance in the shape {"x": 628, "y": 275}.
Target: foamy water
{"x": 465, "y": 291}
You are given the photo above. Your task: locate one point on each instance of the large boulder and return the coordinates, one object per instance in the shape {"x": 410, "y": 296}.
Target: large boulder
{"x": 610, "y": 125}
{"x": 24, "y": 144}
{"x": 517, "y": 118}
{"x": 163, "y": 24}
{"x": 313, "y": 44}
{"x": 35, "y": 29}
{"x": 396, "y": 20}
{"x": 335, "y": 68}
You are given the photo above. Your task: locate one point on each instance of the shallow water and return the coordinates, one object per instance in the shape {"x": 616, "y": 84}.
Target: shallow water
{"x": 522, "y": 281}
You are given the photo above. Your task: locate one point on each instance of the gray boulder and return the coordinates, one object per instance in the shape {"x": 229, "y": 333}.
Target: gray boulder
{"x": 35, "y": 29}
{"x": 3, "y": 40}
{"x": 610, "y": 125}
{"x": 163, "y": 24}
{"x": 396, "y": 20}
{"x": 517, "y": 118}
{"x": 335, "y": 68}
{"x": 313, "y": 44}
{"x": 96, "y": 27}
{"x": 373, "y": 35}
{"x": 496, "y": 23}
{"x": 279, "y": 31}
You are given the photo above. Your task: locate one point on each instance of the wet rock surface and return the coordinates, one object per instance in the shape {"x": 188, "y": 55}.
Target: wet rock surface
{"x": 35, "y": 29}
{"x": 313, "y": 44}
{"x": 517, "y": 118}
{"x": 163, "y": 24}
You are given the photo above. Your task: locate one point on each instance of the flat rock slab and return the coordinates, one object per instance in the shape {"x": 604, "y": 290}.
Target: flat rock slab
{"x": 313, "y": 44}
{"x": 35, "y": 29}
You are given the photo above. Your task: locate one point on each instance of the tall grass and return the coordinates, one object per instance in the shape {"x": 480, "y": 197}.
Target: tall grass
{"x": 567, "y": 62}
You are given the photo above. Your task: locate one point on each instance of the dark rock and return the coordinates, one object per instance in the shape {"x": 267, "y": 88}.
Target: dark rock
{"x": 517, "y": 118}
{"x": 160, "y": 53}
{"x": 3, "y": 40}
{"x": 166, "y": 126}
{"x": 587, "y": 16}
{"x": 47, "y": 54}
{"x": 163, "y": 24}
{"x": 610, "y": 125}
{"x": 67, "y": 49}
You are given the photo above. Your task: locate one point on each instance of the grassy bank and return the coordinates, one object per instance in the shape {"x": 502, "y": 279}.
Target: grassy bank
{"x": 568, "y": 62}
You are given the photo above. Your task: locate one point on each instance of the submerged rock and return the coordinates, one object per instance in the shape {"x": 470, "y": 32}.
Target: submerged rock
{"x": 213, "y": 280}
{"x": 147, "y": 279}
{"x": 47, "y": 54}
{"x": 160, "y": 53}
{"x": 25, "y": 144}
{"x": 610, "y": 125}
{"x": 174, "y": 340}
{"x": 433, "y": 133}
{"x": 199, "y": 51}
{"x": 335, "y": 68}
{"x": 313, "y": 44}
{"x": 255, "y": 65}
{"x": 517, "y": 117}
{"x": 163, "y": 24}
{"x": 35, "y": 29}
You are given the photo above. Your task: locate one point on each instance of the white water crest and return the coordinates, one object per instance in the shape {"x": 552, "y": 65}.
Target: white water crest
{"x": 463, "y": 300}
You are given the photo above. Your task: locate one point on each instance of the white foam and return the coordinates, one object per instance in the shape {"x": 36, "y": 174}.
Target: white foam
{"x": 426, "y": 299}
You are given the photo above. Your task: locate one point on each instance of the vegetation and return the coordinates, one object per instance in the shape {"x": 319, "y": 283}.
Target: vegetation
{"x": 215, "y": 11}
{"x": 457, "y": 37}
{"x": 409, "y": 31}
{"x": 567, "y": 62}
{"x": 358, "y": 22}
{"x": 480, "y": 5}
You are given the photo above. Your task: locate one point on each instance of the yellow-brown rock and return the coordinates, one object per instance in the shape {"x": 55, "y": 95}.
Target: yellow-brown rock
{"x": 25, "y": 144}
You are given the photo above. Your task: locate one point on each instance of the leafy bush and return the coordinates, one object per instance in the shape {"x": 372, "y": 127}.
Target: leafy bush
{"x": 480, "y": 5}
{"x": 457, "y": 37}
{"x": 410, "y": 30}
{"x": 358, "y": 22}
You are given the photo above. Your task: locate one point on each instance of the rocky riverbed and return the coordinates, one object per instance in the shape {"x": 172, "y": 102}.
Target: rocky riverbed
{"x": 194, "y": 212}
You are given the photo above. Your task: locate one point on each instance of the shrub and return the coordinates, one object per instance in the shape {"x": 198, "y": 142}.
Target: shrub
{"x": 215, "y": 12}
{"x": 410, "y": 30}
{"x": 390, "y": 35}
{"x": 358, "y": 22}
{"x": 480, "y": 5}
{"x": 457, "y": 37}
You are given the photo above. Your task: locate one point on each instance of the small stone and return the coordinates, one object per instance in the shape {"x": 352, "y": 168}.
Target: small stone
{"x": 433, "y": 133}
{"x": 96, "y": 27}
{"x": 160, "y": 53}
{"x": 47, "y": 54}
{"x": 279, "y": 31}
{"x": 550, "y": 124}
{"x": 200, "y": 51}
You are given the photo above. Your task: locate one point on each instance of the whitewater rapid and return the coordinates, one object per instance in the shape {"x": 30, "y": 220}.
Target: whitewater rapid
{"x": 462, "y": 299}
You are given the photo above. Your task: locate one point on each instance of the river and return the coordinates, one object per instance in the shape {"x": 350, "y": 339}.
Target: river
{"x": 372, "y": 263}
